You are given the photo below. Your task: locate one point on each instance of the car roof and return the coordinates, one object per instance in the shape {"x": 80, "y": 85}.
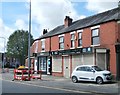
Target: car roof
{"x": 85, "y": 65}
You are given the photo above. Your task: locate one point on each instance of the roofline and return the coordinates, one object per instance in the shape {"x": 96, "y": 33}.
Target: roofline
{"x": 75, "y": 29}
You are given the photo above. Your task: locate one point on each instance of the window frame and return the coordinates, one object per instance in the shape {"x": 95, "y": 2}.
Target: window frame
{"x": 80, "y": 39}
{"x": 73, "y": 40}
{"x": 94, "y": 35}
{"x": 61, "y": 43}
{"x": 43, "y": 45}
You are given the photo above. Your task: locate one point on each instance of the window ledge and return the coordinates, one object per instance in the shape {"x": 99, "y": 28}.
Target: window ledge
{"x": 72, "y": 48}
{"x": 80, "y": 47}
{"x": 43, "y": 51}
{"x": 95, "y": 45}
{"x": 61, "y": 49}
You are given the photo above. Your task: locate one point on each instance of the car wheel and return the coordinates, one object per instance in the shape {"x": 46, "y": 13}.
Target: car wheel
{"x": 74, "y": 79}
{"x": 99, "y": 80}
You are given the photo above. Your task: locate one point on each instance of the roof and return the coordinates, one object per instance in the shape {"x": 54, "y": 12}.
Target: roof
{"x": 110, "y": 15}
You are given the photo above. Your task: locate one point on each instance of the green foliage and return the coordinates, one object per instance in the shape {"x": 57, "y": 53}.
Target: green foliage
{"x": 17, "y": 45}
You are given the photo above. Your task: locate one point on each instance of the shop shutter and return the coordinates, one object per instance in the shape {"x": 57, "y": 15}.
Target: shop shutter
{"x": 57, "y": 64}
{"x": 88, "y": 59}
{"x": 76, "y": 60}
{"x": 101, "y": 61}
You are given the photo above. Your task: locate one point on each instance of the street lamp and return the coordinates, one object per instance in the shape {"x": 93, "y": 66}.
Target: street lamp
{"x": 3, "y": 55}
{"x": 29, "y": 62}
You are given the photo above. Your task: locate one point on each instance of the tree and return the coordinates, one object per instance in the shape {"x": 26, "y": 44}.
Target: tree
{"x": 17, "y": 45}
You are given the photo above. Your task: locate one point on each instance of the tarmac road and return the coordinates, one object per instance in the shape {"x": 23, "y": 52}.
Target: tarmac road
{"x": 67, "y": 85}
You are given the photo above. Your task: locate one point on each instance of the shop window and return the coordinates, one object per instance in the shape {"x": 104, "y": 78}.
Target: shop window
{"x": 42, "y": 64}
{"x": 95, "y": 37}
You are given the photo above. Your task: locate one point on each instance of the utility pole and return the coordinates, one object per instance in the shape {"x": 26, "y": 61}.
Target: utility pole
{"x": 29, "y": 61}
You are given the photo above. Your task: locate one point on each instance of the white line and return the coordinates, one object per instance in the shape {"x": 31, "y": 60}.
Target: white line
{"x": 46, "y": 87}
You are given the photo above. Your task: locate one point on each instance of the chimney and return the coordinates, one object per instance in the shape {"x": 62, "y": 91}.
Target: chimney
{"x": 67, "y": 21}
{"x": 44, "y": 31}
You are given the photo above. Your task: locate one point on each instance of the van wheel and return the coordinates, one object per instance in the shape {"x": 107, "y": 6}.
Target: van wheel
{"x": 99, "y": 80}
{"x": 74, "y": 79}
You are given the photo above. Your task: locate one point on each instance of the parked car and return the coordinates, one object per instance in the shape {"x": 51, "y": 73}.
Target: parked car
{"x": 91, "y": 73}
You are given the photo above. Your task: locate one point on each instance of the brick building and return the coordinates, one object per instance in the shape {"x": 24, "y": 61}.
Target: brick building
{"x": 92, "y": 40}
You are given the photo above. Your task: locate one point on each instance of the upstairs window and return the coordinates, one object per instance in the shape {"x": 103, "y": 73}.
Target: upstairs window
{"x": 79, "y": 39}
{"x": 61, "y": 42}
{"x": 43, "y": 45}
{"x": 95, "y": 37}
{"x": 72, "y": 40}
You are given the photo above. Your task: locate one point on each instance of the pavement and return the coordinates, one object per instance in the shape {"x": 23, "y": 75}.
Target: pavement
{"x": 66, "y": 83}
{"x": 10, "y": 76}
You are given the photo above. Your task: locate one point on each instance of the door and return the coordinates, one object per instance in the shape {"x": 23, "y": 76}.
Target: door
{"x": 89, "y": 74}
{"x": 66, "y": 67}
{"x": 35, "y": 65}
{"x": 85, "y": 73}
{"x": 49, "y": 66}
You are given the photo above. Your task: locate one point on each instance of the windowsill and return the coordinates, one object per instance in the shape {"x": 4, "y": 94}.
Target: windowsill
{"x": 72, "y": 48}
{"x": 61, "y": 49}
{"x": 95, "y": 45}
{"x": 80, "y": 47}
{"x": 43, "y": 51}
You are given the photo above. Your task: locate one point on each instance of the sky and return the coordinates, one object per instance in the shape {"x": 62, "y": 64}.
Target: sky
{"x": 45, "y": 14}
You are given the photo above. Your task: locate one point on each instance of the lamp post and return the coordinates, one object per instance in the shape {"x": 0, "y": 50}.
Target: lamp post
{"x": 3, "y": 55}
{"x": 29, "y": 62}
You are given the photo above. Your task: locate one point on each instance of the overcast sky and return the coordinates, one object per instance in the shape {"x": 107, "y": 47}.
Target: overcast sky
{"x": 46, "y": 14}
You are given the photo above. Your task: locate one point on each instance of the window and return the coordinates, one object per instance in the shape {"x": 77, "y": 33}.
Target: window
{"x": 79, "y": 39}
{"x": 89, "y": 69}
{"x": 61, "y": 42}
{"x": 42, "y": 64}
{"x": 95, "y": 37}
{"x": 72, "y": 40}
{"x": 43, "y": 45}
{"x": 81, "y": 69}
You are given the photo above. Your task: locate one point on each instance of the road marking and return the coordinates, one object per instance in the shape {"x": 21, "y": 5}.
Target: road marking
{"x": 47, "y": 87}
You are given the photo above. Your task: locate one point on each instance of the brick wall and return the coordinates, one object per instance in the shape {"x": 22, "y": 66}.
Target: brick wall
{"x": 54, "y": 43}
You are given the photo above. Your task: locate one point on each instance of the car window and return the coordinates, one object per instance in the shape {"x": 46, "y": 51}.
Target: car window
{"x": 88, "y": 69}
{"x": 97, "y": 68}
{"x": 81, "y": 69}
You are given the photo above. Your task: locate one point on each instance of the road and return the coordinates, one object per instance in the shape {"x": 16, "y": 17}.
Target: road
{"x": 51, "y": 84}
{"x": 18, "y": 87}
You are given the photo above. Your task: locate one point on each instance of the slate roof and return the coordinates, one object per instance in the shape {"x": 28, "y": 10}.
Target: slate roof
{"x": 110, "y": 15}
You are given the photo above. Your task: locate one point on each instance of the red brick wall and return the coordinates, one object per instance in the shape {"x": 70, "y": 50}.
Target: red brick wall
{"x": 57, "y": 74}
{"x": 108, "y": 38}
{"x": 108, "y": 33}
{"x": 54, "y": 43}
{"x": 39, "y": 46}
{"x": 86, "y": 37}
{"x": 47, "y": 44}
{"x": 67, "y": 41}
{"x": 119, "y": 32}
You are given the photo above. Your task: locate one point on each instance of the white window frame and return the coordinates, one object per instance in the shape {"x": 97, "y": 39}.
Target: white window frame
{"x": 61, "y": 36}
{"x": 43, "y": 45}
{"x": 93, "y": 28}
{"x": 72, "y": 40}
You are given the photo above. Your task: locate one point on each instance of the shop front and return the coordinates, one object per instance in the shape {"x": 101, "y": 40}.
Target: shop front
{"x": 64, "y": 62}
{"x": 44, "y": 62}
